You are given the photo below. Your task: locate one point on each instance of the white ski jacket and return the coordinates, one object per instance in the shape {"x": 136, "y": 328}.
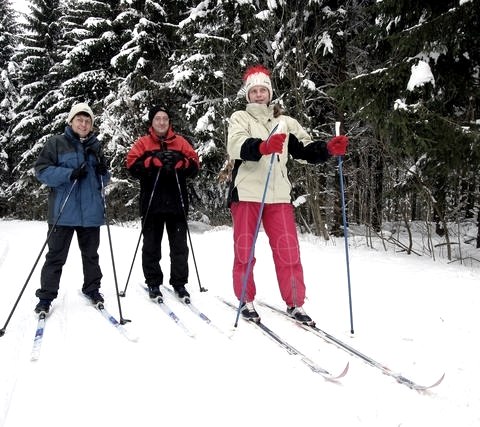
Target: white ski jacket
{"x": 247, "y": 129}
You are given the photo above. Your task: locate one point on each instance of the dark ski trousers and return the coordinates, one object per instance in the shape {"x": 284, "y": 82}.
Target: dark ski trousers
{"x": 152, "y": 249}
{"x": 58, "y": 246}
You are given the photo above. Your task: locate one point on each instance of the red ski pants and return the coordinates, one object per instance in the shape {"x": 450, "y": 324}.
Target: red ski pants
{"x": 279, "y": 224}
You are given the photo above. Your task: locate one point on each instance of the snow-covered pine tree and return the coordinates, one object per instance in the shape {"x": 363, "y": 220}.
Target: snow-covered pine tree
{"x": 218, "y": 41}
{"x": 8, "y": 93}
{"x": 419, "y": 97}
{"x": 140, "y": 65}
{"x": 35, "y": 54}
{"x": 309, "y": 52}
{"x": 90, "y": 39}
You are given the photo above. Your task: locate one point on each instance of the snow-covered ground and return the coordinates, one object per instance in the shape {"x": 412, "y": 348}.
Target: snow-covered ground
{"x": 417, "y": 316}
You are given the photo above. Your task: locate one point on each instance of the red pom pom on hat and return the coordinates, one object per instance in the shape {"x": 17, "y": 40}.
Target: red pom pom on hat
{"x": 254, "y": 70}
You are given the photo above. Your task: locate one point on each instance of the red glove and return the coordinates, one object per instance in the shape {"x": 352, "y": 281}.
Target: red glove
{"x": 182, "y": 164}
{"x": 337, "y": 146}
{"x": 152, "y": 161}
{"x": 273, "y": 145}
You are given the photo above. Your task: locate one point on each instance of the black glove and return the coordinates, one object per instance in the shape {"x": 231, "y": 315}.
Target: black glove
{"x": 79, "y": 173}
{"x": 169, "y": 158}
{"x": 137, "y": 170}
{"x": 101, "y": 169}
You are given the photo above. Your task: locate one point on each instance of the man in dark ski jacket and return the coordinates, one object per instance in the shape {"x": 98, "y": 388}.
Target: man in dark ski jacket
{"x": 73, "y": 166}
{"x": 163, "y": 160}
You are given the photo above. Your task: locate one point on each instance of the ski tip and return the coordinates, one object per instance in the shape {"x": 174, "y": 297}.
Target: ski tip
{"x": 343, "y": 373}
{"x": 332, "y": 377}
{"x": 436, "y": 383}
{"x": 2, "y": 332}
{"x": 132, "y": 336}
{"x": 418, "y": 387}
{"x": 439, "y": 380}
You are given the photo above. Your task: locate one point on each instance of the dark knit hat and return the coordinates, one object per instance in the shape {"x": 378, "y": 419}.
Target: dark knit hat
{"x": 154, "y": 110}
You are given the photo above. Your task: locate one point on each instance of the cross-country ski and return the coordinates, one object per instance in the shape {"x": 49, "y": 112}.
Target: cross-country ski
{"x": 354, "y": 352}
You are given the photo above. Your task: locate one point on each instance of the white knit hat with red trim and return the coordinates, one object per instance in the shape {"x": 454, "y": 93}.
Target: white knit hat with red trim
{"x": 257, "y": 75}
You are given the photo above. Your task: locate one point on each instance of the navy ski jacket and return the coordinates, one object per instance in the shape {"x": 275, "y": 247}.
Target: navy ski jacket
{"x": 56, "y": 162}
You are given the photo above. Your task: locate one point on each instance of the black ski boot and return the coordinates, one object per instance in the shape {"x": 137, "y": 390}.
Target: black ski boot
{"x": 154, "y": 292}
{"x": 43, "y": 306}
{"x": 182, "y": 294}
{"x": 298, "y": 313}
{"x": 249, "y": 313}
{"x": 95, "y": 297}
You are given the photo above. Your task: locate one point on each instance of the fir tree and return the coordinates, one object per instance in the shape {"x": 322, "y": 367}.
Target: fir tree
{"x": 418, "y": 98}
{"x": 140, "y": 67}
{"x": 8, "y": 91}
{"x": 216, "y": 44}
{"x": 35, "y": 55}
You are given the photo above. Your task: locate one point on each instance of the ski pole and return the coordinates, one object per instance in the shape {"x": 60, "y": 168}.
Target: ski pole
{"x": 345, "y": 230}
{"x": 202, "y": 289}
{"x": 50, "y": 232}
{"x": 122, "y": 319}
{"x": 257, "y": 229}
{"x": 123, "y": 293}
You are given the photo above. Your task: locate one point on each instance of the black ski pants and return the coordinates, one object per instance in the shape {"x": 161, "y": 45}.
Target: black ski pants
{"x": 58, "y": 246}
{"x": 152, "y": 248}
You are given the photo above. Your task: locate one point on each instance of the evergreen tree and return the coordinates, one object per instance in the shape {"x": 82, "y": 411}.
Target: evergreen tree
{"x": 218, "y": 41}
{"x": 35, "y": 55}
{"x": 140, "y": 66}
{"x": 8, "y": 91}
{"x": 91, "y": 38}
{"x": 402, "y": 76}
{"x": 310, "y": 56}
{"x": 420, "y": 99}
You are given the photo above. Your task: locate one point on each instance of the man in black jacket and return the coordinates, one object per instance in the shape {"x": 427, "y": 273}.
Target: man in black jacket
{"x": 163, "y": 160}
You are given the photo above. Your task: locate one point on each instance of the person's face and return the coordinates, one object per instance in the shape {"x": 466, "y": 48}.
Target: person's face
{"x": 82, "y": 124}
{"x": 160, "y": 123}
{"x": 259, "y": 95}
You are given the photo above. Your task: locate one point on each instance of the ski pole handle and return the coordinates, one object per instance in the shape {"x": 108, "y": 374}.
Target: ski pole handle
{"x": 337, "y": 128}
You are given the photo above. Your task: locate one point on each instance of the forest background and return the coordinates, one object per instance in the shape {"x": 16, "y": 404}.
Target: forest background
{"x": 401, "y": 75}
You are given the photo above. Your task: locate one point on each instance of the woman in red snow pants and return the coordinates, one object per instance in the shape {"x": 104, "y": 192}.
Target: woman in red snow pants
{"x": 261, "y": 140}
